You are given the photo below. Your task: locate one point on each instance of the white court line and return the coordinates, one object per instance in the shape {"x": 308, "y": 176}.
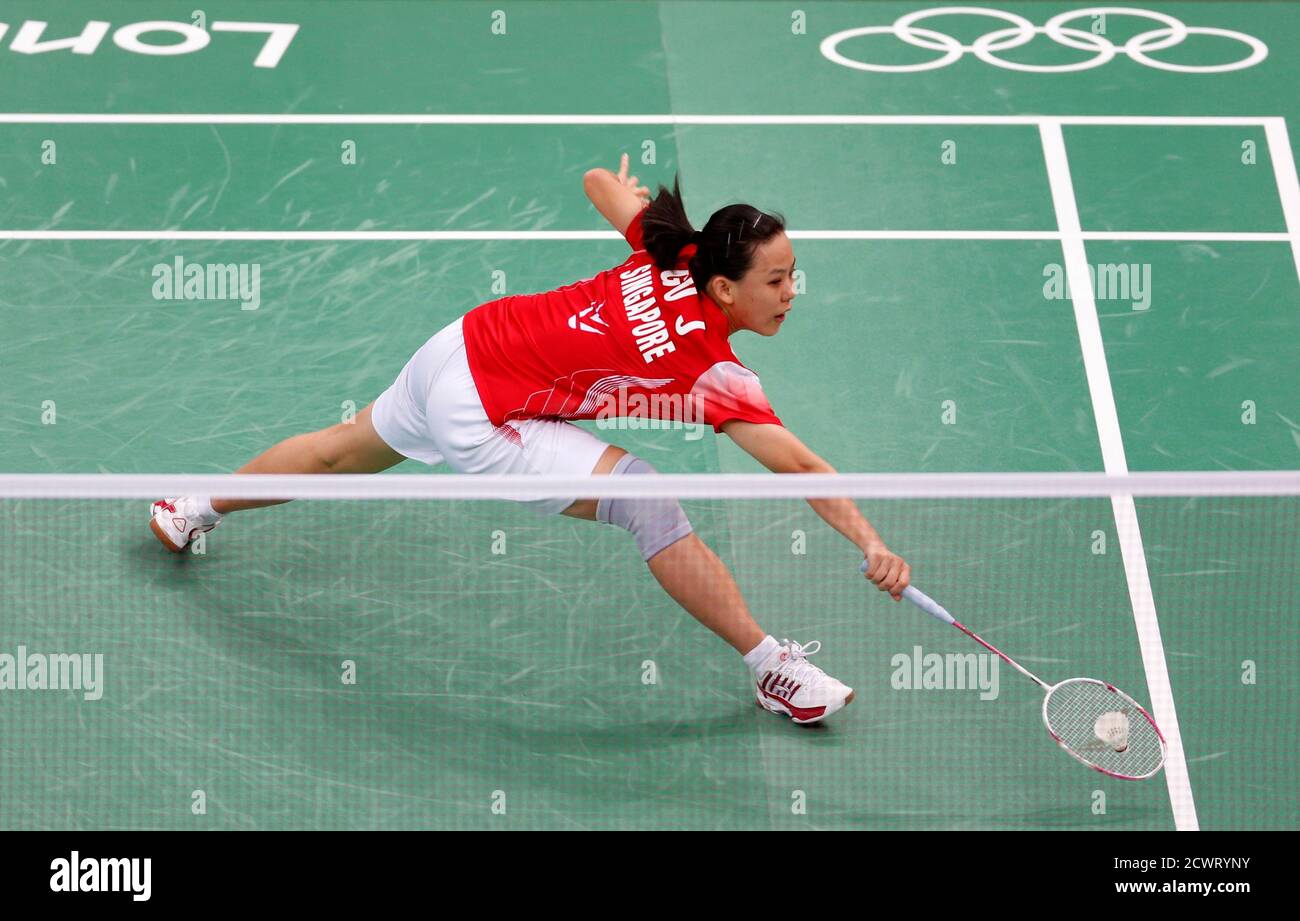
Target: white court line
{"x": 1288, "y": 187}
{"x": 231, "y": 118}
{"x": 1208, "y": 236}
{"x": 1174, "y": 236}
{"x": 1112, "y": 453}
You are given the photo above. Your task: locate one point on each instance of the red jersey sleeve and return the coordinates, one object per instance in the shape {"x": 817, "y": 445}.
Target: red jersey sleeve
{"x": 731, "y": 391}
{"x": 633, "y": 232}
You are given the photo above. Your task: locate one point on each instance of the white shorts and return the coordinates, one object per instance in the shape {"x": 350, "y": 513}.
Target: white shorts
{"x": 432, "y": 413}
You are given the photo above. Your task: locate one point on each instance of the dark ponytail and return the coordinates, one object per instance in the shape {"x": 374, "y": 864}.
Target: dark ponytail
{"x": 724, "y": 247}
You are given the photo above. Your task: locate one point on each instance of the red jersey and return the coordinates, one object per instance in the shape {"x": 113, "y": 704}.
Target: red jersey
{"x": 635, "y": 340}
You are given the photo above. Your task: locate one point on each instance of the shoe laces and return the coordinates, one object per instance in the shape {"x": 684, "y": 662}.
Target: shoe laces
{"x": 797, "y": 666}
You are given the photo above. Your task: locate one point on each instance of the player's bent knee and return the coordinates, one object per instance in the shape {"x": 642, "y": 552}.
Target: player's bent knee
{"x": 655, "y": 523}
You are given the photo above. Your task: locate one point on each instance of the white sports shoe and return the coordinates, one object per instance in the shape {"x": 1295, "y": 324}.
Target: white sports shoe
{"x": 787, "y": 683}
{"x": 176, "y": 522}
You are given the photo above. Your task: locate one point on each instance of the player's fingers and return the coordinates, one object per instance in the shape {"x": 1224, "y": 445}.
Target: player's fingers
{"x": 622, "y": 168}
{"x": 890, "y": 582}
{"x": 904, "y": 580}
{"x": 900, "y": 579}
{"x": 880, "y": 565}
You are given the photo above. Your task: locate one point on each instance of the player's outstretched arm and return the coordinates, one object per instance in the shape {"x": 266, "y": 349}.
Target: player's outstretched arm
{"x": 777, "y": 449}
{"x": 617, "y": 196}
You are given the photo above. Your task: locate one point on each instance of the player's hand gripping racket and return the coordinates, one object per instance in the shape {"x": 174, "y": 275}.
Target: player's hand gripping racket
{"x": 1097, "y": 723}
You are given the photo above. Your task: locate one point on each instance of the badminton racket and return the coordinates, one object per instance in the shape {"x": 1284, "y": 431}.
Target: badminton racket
{"x": 1095, "y": 722}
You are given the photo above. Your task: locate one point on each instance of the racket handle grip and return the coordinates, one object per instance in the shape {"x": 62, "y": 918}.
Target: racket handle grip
{"x": 921, "y": 600}
{"x": 928, "y": 604}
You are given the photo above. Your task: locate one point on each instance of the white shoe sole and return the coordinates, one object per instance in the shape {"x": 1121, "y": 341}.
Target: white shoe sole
{"x": 780, "y": 708}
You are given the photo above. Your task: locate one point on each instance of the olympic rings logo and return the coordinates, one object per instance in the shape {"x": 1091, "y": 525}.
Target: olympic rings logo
{"x": 1171, "y": 32}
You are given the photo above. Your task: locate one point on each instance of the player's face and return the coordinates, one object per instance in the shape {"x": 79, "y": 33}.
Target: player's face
{"x": 761, "y": 299}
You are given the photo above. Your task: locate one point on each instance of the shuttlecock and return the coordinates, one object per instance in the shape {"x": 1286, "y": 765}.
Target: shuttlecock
{"x": 1112, "y": 728}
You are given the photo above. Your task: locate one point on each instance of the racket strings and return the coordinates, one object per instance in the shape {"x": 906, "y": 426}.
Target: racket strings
{"x": 1072, "y": 712}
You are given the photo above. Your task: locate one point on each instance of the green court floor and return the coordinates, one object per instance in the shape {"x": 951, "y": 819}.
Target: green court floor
{"x": 517, "y": 679}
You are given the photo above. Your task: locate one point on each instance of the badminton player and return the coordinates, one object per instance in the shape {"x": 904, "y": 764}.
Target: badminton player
{"x": 495, "y": 392}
